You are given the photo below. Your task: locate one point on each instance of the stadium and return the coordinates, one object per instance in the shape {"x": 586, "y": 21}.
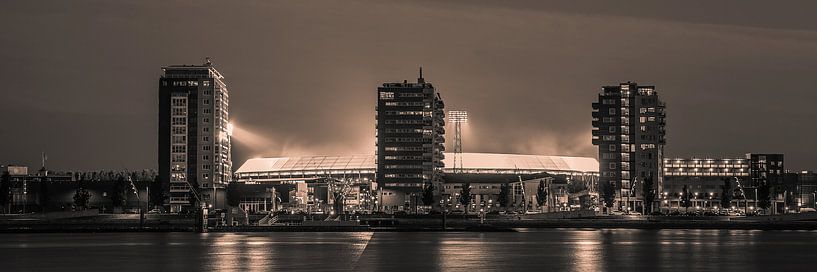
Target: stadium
{"x": 307, "y": 182}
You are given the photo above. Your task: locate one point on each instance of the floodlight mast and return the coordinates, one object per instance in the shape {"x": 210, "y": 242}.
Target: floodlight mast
{"x": 457, "y": 117}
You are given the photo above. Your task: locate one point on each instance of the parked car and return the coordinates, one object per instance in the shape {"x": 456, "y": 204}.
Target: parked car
{"x": 802, "y": 210}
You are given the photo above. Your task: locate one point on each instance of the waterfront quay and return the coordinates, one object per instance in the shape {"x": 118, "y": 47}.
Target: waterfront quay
{"x": 381, "y": 222}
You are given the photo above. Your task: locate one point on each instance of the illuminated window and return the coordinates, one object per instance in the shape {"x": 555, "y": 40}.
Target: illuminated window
{"x": 386, "y": 95}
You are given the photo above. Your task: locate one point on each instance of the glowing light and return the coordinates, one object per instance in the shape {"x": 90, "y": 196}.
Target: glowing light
{"x": 458, "y": 116}
{"x": 230, "y": 129}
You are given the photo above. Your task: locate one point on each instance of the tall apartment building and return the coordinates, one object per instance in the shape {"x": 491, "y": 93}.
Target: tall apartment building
{"x": 194, "y": 135}
{"x": 628, "y": 128}
{"x": 410, "y": 135}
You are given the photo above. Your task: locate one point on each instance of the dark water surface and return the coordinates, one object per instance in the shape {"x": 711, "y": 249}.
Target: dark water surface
{"x": 544, "y": 250}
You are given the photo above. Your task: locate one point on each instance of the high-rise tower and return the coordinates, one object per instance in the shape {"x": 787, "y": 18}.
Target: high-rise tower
{"x": 628, "y": 128}
{"x": 194, "y": 135}
{"x": 410, "y": 135}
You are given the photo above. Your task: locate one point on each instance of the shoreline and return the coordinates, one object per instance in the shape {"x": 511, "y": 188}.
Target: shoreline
{"x": 90, "y": 225}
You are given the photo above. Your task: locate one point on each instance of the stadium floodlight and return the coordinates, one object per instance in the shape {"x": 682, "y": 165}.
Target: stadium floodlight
{"x": 458, "y": 116}
{"x": 230, "y": 129}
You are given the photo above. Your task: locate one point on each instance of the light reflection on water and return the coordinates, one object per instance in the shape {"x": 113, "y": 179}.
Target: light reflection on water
{"x": 550, "y": 249}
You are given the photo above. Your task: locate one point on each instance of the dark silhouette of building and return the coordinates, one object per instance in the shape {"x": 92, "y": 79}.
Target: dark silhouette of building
{"x": 410, "y": 135}
{"x": 194, "y": 134}
{"x": 628, "y": 128}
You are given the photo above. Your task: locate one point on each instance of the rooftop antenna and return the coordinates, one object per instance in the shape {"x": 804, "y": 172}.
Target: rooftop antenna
{"x": 420, "y": 79}
{"x": 207, "y": 61}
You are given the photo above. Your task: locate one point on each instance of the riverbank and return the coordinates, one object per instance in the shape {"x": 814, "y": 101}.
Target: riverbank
{"x": 412, "y": 223}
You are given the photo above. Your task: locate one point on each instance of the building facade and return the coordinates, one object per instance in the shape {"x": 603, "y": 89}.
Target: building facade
{"x": 410, "y": 135}
{"x": 704, "y": 178}
{"x": 629, "y": 130}
{"x": 194, "y": 135}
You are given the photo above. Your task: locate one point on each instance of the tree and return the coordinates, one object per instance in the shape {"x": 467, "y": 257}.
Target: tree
{"x": 608, "y": 194}
{"x": 686, "y": 200}
{"x": 465, "y": 196}
{"x": 649, "y": 194}
{"x": 157, "y": 192}
{"x": 233, "y": 195}
{"x": 504, "y": 190}
{"x": 119, "y": 193}
{"x": 764, "y": 195}
{"x": 726, "y": 193}
{"x": 81, "y": 198}
{"x": 541, "y": 193}
{"x": 44, "y": 198}
{"x": 192, "y": 200}
{"x": 5, "y": 189}
{"x": 428, "y": 194}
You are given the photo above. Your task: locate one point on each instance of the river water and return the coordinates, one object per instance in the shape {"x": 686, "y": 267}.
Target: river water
{"x": 535, "y": 249}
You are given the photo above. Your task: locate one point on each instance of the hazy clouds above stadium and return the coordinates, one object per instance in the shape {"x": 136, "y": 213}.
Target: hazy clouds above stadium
{"x": 80, "y": 78}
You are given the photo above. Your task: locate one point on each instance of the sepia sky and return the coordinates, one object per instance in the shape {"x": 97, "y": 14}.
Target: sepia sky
{"x": 80, "y": 78}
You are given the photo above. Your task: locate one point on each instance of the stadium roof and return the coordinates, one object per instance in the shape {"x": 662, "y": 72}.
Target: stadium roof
{"x": 470, "y": 161}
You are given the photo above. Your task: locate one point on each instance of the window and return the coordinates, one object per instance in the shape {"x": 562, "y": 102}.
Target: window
{"x": 612, "y": 165}
{"x": 178, "y": 148}
{"x": 612, "y": 147}
{"x": 611, "y": 129}
{"x": 206, "y": 101}
{"x": 609, "y": 101}
{"x": 206, "y": 148}
{"x": 412, "y": 95}
{"x": 179, "y": 121}
{"x": 611, "y": 111}
{"x": 206, "y": 83}
{"x": 608, "y": 155}
{"x": 179, "y": 139}
{"x": 386, "y": 95}
{"x": 179, "y": 102}
{"x": 609, "y": 137}
{"x": 178, "y": 158}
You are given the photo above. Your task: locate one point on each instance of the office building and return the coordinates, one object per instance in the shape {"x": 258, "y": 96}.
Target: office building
{"x": 194, "y": 135}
